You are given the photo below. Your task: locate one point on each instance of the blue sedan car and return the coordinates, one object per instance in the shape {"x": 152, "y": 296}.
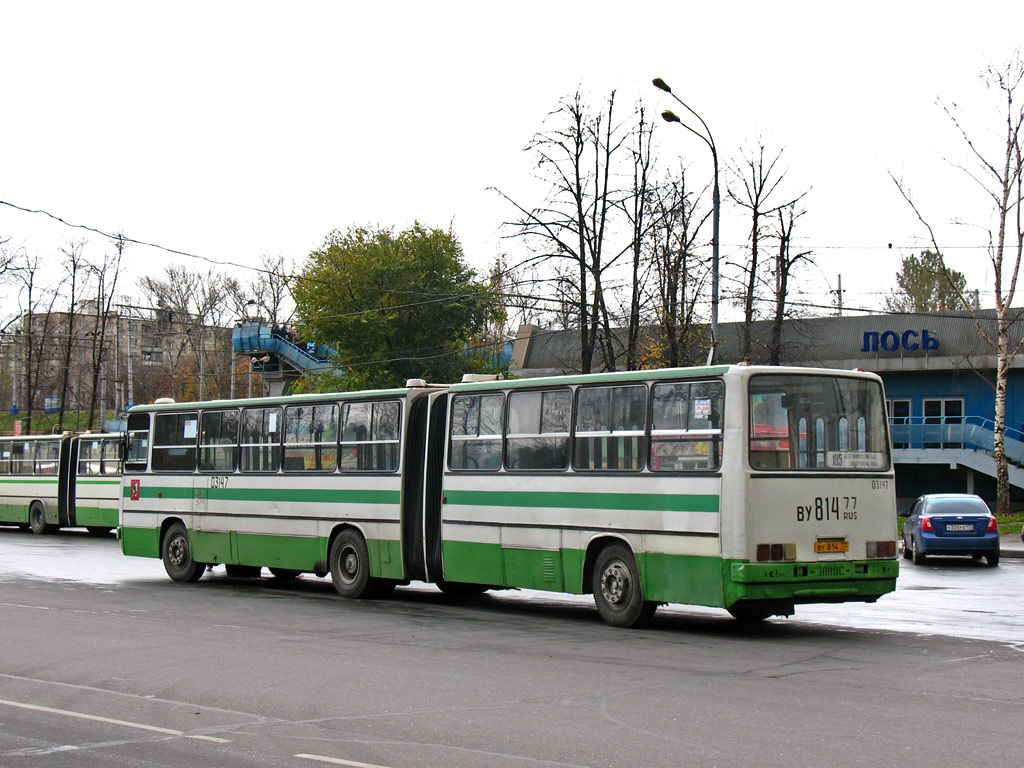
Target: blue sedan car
{"x": 951, "y": 524}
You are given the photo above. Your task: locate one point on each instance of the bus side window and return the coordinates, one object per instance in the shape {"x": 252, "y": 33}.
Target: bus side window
{"x": 137, "y": 456}
{"x": 476, "y": 427}
{"x": 89, "y": 457}
{"x": 610, "y": 428}
{"x": 369, "y": 436}
{"x": 5, "y": 458}
{"x": 261, "y": 439}
{"x": 686, "y": 433}
{"x": 174, "y": 441}
{"x": 110, "y": 463}
{"x": 538, "y": 429}
{"x": 47, "y": 457}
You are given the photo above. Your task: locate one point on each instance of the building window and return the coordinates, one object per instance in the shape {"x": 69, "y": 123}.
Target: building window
{"x": 943, "y": 423}
{"x": 898, "y": 412}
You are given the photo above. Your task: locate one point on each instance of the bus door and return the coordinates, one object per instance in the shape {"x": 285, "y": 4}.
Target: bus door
{"x": 68, "y": 481}
{"x": 66, "y": 464}
{"x": 412, "y": 490}
{"x": 432, "y": 484}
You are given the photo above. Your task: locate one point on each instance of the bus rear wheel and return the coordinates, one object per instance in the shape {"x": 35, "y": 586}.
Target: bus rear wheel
{"x": 177, "y": 555}
{"x": 618, "y": 593}
{"x": 37, "y": 520}
{"x": 350, "y": 566}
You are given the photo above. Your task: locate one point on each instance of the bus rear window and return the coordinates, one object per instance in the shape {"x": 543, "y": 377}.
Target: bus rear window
{"x": 812, "y": 422}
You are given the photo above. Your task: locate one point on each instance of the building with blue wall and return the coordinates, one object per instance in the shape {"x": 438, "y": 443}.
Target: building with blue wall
{"x": 939, "y": 374}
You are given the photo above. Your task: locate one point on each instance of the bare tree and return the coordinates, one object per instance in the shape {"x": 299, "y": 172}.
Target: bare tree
{"x": 33, "y": 297}
{"x": 680, "y": 273}
{"x": 106, "y": 274}
{"x": 754, "y": 187}
{"x": 74, "y": 268}
{"x": 1001, "y": 179}
{"x": 785, "y": 262}
{"x": 574, "y": 224}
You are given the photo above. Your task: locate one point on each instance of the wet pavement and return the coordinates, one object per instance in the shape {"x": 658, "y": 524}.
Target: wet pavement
{"x": 951, "y": 596}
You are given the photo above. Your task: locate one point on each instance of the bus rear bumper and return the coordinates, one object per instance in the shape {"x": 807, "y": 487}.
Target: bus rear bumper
{"x": 822, "y": 582}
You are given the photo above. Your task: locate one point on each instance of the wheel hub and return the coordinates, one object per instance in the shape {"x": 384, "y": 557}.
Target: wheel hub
{"x": 615, "y": 583}
{"x": 177, "y": 552}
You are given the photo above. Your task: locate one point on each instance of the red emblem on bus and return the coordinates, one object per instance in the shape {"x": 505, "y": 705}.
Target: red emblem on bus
{"x": 135, "y": 490}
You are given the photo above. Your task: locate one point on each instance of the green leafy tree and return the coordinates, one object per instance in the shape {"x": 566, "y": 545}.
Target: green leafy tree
{"x": 925, "y": 284}
{"x": 394, "y": 306}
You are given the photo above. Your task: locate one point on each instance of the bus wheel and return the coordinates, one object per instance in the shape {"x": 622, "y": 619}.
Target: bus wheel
{"x": 350, "y": 565}
{"x": 461, "y": 591}
{"x": 177, "y": 555}
{"x": 37, "y": 520}
{"x": 749, "y": 612}
{"x": 243, "y": 571}
{"x": 285, "y": 574}
{"x": 617, "y": 591}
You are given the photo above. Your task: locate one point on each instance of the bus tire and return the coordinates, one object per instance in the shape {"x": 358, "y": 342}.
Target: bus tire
{"x": 618, "y": 593}
{"x": 243, "y": 571}
{"x": 350, "y": 565}
{"x": 285, "y": 574}
{"x": 749, "y": 613}
{"x": 461, "y": 591}
{"x": 177, "y": 555}
{"x": 37, "y": 519}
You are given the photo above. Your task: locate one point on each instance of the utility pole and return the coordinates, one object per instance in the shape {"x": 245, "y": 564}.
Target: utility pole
{"x": 839, "y": 297}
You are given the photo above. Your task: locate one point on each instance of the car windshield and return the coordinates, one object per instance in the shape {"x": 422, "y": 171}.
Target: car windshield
{"x": 957, "y": 507}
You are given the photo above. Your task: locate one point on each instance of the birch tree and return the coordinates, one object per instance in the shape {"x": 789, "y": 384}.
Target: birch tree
{"x": 998, "y": 173}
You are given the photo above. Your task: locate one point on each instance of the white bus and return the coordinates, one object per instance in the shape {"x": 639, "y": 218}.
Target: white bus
{"x": 754, "y": 489}
{"x": 48, "y": 482}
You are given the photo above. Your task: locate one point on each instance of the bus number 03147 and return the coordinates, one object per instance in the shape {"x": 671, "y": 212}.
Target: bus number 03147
{"x": 828, "y": 508}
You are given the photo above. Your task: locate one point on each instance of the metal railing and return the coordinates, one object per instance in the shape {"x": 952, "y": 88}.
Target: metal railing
{"x": 971, "y": 433}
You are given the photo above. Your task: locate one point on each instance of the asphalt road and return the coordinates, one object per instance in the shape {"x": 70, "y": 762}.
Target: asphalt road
{"x": 106, "y": 662}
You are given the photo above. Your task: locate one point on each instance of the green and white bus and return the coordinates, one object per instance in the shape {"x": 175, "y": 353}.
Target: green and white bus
{"x": 749, "y": 488}
{"x": 48, "y": 482}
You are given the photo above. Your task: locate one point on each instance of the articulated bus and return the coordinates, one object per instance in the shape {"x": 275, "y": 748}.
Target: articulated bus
{"x": 57, "y": 481}
{"x": 749, "y": 488}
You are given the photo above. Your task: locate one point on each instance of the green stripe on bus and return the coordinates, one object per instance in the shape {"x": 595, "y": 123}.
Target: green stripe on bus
{"x": 30, "y": 479}
{"x": 309, "y": 495}
{"x": 661, "y": 502}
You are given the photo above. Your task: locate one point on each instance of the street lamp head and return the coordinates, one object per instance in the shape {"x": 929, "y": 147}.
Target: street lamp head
{"x": 670, "y": 117}
{"x": 661, "y": 85}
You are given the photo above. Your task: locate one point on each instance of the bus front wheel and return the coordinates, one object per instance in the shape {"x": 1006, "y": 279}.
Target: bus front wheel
{"x": 177, "y": 555}
{"x": 618, "y": 593}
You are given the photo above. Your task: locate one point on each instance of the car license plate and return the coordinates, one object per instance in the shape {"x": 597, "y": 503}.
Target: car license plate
{"x": 831, "y": 546}
{"x": 959, "y": 527}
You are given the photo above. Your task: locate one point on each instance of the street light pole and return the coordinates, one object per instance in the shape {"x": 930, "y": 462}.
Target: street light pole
{"x": 716, "y": 203}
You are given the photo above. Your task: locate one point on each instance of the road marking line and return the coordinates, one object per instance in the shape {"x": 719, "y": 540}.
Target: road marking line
{"x": 112, "y": 721}
{"x": 337, "y": 761}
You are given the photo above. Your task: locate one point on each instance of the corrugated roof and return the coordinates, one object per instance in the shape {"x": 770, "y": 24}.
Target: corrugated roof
{"x": 874, "y": 342}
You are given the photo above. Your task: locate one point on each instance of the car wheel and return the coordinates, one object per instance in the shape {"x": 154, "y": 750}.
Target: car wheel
{"x": 992, "y": 559}
{"x": 906, "y": 548}
{"x": 919, "y": 556}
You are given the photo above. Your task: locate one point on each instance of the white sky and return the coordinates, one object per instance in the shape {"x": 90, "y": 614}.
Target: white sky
{"x": 230, "y": 129}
